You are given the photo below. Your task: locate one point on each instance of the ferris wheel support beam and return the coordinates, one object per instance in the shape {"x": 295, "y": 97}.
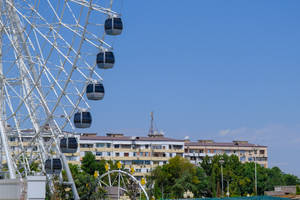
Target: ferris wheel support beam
{"x": 4, "y": 141}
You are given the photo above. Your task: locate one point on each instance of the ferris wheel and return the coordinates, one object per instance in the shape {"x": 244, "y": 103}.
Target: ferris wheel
{"x": 119, "y": 183}
{"x": 52, "y": 55}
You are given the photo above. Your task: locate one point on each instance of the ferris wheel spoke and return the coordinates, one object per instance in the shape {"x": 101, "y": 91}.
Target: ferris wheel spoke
{"x": 94, "y": 7}
{"x": 68, "y": 45}
{"x": 19, "y": 134}
{"x": 94, "y": 36}
{"x": 102, "y": 182}
{"x": 62, "y": 54}
{"x": 123, "y": 181}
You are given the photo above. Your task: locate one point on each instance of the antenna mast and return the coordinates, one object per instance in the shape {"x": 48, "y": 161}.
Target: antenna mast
{"x": 151, "y": 130}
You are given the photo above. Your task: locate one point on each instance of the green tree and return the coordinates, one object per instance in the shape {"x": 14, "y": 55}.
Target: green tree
{"x": 290, "y": 179}
{"x": 174, "y": 178}
{"x": 89, "y": 164}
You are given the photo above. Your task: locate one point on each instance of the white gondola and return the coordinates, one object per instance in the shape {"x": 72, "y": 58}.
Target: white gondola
{"x": 68, "y": 145}
{"x": 95, "y": 91}
{"x": 105, "y": 60}
{"x": 82, "y": 119}
{"x": 53, "y": 166}
{"x": 113, "y": 26}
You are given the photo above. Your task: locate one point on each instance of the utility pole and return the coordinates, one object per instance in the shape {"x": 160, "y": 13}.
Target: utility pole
{"x": 222, "y": 162}
{"x": 255, "y": 170}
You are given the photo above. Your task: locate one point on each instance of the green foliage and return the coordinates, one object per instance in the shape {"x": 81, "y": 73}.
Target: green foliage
{"x": 89, "y": 163}
{"x": 297, "y": 190}
{"x": 178, "y": 176}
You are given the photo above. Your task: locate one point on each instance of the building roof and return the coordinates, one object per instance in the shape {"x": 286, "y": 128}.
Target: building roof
{"x": 129, "y": 138}
{"x": 121, "y": 137}
{"x": 223, "y": 144}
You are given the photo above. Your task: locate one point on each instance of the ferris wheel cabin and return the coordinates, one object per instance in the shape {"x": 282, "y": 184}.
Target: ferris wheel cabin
{"x": 95, "y": 91}
{"x": 68, "y": 145}
{"x": 82, "y": 119}
{"x": 53, "y": 166}
{"x": 105, "y": 60}
{"x": 113, "y": 26}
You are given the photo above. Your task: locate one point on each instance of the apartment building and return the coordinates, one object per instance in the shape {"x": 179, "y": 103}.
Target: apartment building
{"x": 141, "y": 153}
{"x": 196, "y": 151}
{"x": 145, "y": 153}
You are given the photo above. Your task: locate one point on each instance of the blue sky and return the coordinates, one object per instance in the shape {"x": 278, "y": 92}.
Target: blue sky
{"x": 211, "y": 69}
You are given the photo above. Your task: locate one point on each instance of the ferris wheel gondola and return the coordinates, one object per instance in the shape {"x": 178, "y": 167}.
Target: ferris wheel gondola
{"x": 95, "y": 91}
{"x": 113, "y": 26}
{"x": 105, "y": 60}
{"x": 68, "y": 145}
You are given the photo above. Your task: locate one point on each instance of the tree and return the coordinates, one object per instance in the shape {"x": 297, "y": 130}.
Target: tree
{"x": 174, "y": 178}
{"x": 290, "y": 179}
{"x": 89, "y": 164}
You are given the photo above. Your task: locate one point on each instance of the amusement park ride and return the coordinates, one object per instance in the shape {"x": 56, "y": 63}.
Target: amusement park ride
{"x": 52, "y": 53}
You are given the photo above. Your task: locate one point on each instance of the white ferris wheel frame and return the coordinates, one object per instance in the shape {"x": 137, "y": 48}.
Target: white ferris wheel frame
{"x": 30, "y": 80}
{"x": 119, "y": 179}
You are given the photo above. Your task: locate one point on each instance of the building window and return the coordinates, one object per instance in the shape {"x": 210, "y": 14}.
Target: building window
{"x": 262, "y": 151}
{"x": 98, "y": 153}
{"x": 86, "y": 145}
{"x": 146, "y": 146}
{"x": 126, "y": 154}
{"x": 100, "y": 145}
{"x": 177, "y": 147}
{"x": 116, "y": 146}
{"x": 126, "y": 146}
{"x": 108, "y": 145}
{"x": 242, "y": 158}
{"x": 108, "y": 153}
{"x": 134, "y": 153}
{"x": 117, "y": 154}
{"x": 146, "y": 154}
{"x": 156, "y": 147}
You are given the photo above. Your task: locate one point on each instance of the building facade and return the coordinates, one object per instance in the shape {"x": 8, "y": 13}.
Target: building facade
{"x": 145, "y": 153}
{"x": 141, "y": 153}
{"x": 196, "y": 151}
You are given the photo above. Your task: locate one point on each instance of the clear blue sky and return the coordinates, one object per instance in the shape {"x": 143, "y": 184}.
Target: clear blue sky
{"x": 210, "y": 69}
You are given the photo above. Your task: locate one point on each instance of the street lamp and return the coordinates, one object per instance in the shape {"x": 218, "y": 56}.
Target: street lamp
{"x": 222, "y": 162}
